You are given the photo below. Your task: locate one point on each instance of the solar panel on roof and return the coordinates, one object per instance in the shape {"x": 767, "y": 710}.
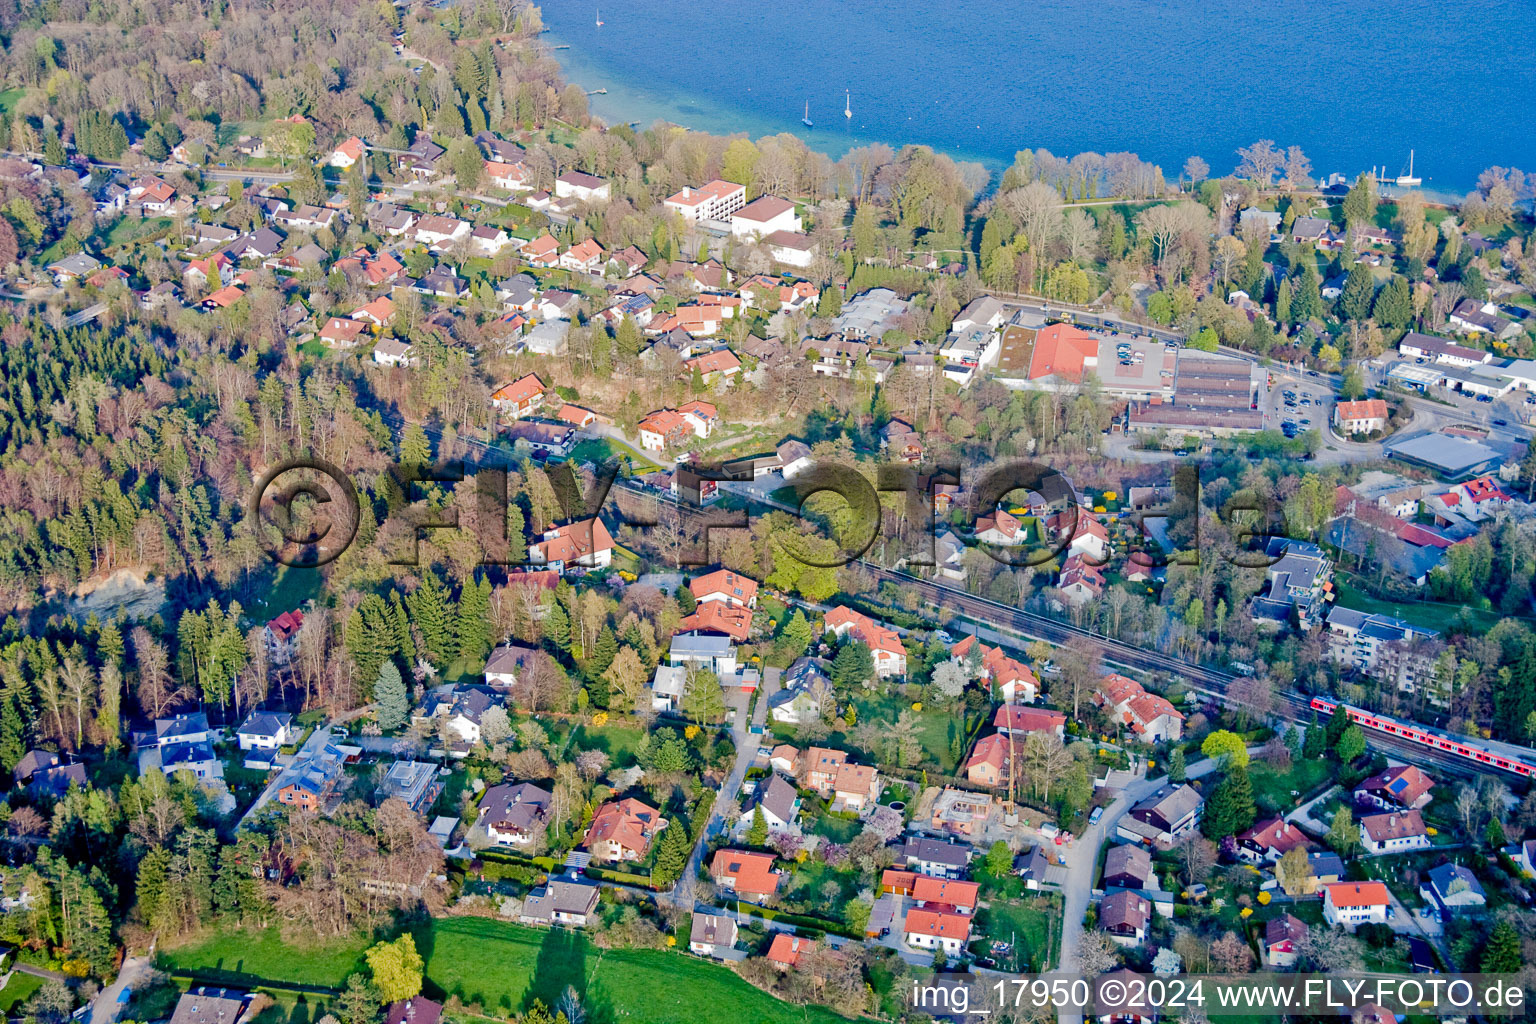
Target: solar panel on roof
{"x": 1398, "y": 784}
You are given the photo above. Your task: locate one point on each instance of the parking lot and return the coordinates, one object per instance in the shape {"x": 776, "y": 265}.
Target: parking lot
{"x": 1294, "y": 408}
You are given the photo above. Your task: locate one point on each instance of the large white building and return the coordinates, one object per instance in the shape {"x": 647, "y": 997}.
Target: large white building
{"x": 763, "y": 216}
{"x": 715, "y": 201}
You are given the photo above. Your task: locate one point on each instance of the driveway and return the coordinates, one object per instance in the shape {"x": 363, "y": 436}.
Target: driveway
{"x": 109, "y": 1002}
{"x": 746, "y": 753}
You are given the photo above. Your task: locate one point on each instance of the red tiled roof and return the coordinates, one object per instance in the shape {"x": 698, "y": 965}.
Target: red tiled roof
{"x": 1063, "y": 350}
{"x": 938, "y": 924}
{"x": 718, "y": 617}
{"x": 753, "y": 872}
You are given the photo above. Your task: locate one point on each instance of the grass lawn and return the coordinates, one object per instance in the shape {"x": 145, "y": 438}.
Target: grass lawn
{"x": 10, "y": 98}
{"x": 933, "y": 726}
{"x": 839, "y": 830}
{"x": 1030, "y": 925}
{"x": 618, "y": 740}
{"x": 1272, "y": 789}
{"x": 1430, "y": 614}
{"x": 286, "y": 591}
{"x": 503, "y": 967}
{"x": 21, "y": 986}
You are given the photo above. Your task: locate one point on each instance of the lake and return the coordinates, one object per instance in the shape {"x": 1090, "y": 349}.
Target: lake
{"x": 1355, "y": 83}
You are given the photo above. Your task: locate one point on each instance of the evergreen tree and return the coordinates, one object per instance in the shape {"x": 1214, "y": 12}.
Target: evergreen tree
{"x": 1504, "y": 953}
{"x": 1283, "y": 311}
{"x": 358, "y": 1002}
{"x": 1307, "y": 302}
{"x": 430, "y": 614}
{"x": 672, "y": 857}
{"x": 415, "y": 449}
{"x": 1230, "y": 809}
{"x": 757, "y": 833}
{"x": 1359, "y": 293}
{"x": 389, "y": 693}
{"x": 604, "y": 650}
{"x": 472, "y": 626}
{"x": 1176, "y": 767}
{"x": 853, "y": 665}
{"x": 557, "y": 625}
{"x": 797, "y": 633}
{"x": 1394, "y": 304}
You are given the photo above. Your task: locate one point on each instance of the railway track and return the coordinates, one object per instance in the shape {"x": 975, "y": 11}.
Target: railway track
{"x": 1292, "y": 706}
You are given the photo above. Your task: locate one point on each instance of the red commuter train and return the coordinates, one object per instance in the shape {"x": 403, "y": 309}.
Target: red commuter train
{"x": 1430, "y": 738}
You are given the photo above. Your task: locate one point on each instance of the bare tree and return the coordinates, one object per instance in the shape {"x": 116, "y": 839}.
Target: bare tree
{"x": 1260, "y": 161}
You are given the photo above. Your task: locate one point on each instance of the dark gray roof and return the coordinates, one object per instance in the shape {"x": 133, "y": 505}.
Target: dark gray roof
{"x": 522, "y": 806}
{"x": 209, "y": 1006}
{"x": 936, "y": 851}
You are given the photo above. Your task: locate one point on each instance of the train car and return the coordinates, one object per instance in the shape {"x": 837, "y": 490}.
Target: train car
{"x": 1430, "y": 738}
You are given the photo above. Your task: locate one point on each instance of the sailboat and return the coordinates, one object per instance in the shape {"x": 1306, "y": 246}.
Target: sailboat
{"x": 847, "y": 105}
{"x": 806, "y": 120}
{"x": 1408, "y": 180}
{"x": 599, "y": 17}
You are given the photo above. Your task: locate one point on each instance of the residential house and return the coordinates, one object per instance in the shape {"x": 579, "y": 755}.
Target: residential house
{"x": 992, "y": 760}
{"x": 578, "y": 185}
{"x": 1363, "y": 417}
{"x": 562, "y": 901}
{"x": 583, "y": 542}
{"x": 935, "y": 858}
{"x": 1000, "y": 527}
{"x": 779, "y": 801}
{"x": 668, "y": 686}
{"x": 459, "y": 710}
{"x": 1449, "y": 889}
{"x": 725, "y": 586}
{"x": 960, "y": 812}
{"x": 1020, "y": 721}
{"x": 937, "y": 930}
{"x": 342, "y": 333}
{"x": 1128, "y": 866}
{"x": 764, "y": 217}
{"x": 664, "y": 429}
{"x": 932, "y": 892}
{"x": 487, "y": 240}
{"x": 280, "y": 634}
{"x": 308, "y": 218}
{"x": 265, "y": 730}
{"x": 1384, "y": 647}
{"x": 1080, "y": 581}
{"x": 786, "y": 950}
{"x": 719, "y": 366}
{"x": 415, "y": 782}
{"x": 1011, "y": 680}
{"x": 1351, "y": 904}
{"x": 379, "y": 312}
{"x": 415, "y": 1010}
{"x": 183, "y": 743}
{"x": 421, "y": 159}
{"x": 1150, "y": 716}
{"x": 1124, "y": 916}
{"x": 515, "y": 814}
{"x": 512, "y": 177}
{"x": 629, "y": 261}
{"x": 348, "y": 153}
{"x": 1404, "y": 787}
{"x": 521, "y": 397}
{"x": 818, "y": 768}
{"x": 585, "y": 257}
{"x": 805, "y": 691}
{"x": 543, "y": 251}
{"x": 1268, "y": 841}
{"x": 442, "y": 282}
{"x": 715, "y": 617}
{"x": 749, "y": 875}
{"x": 884, "y": 644}
{"x": 73, "y": 268}
{"x": 1164, "y": 817}
{"x": 855, "y": 787}
{"x": 1476, "y": 317}
{"x": 707, "y": 650}
{"x": 1283, "y": 937}
{"x": 712, "y": 935}
{"x": 203, "y": 1005}
{"x": 435, "y": 229}
{"x": 1299, "y": 579}
{"x": 1394, "y": 832}
{"x": 311, "y": 782}
{"x": 504, "y": 666}
{"x": 622, "y": 830}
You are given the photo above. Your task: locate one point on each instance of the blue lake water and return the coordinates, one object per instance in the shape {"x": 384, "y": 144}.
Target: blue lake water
{"x": 1355, "y": 83}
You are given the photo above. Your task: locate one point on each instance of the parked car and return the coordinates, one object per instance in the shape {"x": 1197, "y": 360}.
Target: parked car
{"x": 1098, "y": 812}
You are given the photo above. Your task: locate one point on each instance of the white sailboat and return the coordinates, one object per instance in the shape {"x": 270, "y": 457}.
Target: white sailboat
{"x": 806, "y": 120}
{"x": 599, "y": 17}
{"x": 847, "y": 105}
{"x": 1409, "y": 180}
